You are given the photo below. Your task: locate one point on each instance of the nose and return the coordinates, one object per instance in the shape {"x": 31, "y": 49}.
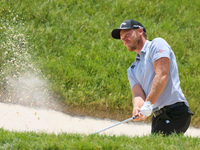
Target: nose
{"x": 125, "y": 40}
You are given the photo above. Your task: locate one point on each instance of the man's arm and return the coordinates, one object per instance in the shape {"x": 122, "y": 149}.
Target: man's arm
{"x": 161, "y": 67}
{"x": 138, "y": 100}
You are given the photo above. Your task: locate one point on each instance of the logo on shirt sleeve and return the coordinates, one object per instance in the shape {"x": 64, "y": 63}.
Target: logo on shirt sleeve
{"x": 161, "y": 50}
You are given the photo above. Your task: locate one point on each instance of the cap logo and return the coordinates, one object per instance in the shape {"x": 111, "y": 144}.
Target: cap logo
{"x": 137, "y": 26}
{"x": 122, "y": 24}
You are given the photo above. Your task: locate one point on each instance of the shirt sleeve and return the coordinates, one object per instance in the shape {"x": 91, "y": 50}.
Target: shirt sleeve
{"x": 131, "y": 78}
{"x": 159, "y": 48}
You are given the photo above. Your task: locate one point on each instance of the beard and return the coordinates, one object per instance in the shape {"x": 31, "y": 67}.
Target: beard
{"x": 134, "y": 44}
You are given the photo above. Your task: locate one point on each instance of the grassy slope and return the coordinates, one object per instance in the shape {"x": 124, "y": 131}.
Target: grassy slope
{"x": 71, "y": 43}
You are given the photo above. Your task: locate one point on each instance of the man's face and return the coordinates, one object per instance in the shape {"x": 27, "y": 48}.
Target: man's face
{"x": 131, "y": 39}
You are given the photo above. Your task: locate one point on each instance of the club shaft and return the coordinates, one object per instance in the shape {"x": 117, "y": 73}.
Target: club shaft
{"x": 127, "y": 120}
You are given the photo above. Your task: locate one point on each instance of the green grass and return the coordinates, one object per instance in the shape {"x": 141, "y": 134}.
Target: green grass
{"x": 43, "y": 141}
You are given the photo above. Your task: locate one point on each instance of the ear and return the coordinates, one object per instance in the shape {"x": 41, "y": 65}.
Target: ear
{"x": 140, "y": 31}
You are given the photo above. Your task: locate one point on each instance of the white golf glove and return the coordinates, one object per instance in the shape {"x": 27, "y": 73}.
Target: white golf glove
{"x": 146, "y": 109}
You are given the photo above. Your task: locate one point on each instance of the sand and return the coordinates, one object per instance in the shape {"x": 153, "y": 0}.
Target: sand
{"x": 15, "y": 117}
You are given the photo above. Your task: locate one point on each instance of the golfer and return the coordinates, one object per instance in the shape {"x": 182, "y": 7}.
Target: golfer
{"x": 154, "y": 80}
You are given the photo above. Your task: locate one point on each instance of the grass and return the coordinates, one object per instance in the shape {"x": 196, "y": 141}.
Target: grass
{"x": 42, "y": 141}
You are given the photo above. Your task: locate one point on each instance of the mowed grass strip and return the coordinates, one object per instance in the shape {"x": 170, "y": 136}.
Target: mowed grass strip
{"x": 40, "y": 141}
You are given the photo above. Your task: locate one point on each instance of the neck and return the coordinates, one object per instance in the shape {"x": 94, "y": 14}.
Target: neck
{"x": 140, "y": 46}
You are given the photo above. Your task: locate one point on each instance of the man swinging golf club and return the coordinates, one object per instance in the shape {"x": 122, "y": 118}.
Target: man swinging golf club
{"x": 154, "y": 80}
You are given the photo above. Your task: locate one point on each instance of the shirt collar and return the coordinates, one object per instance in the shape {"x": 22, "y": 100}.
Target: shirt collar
{"x": 143, "y": 49}
{"x": 137, "y": 57}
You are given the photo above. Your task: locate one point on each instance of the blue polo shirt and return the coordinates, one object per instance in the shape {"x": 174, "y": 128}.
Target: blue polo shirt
{"x": 142, "y": 72}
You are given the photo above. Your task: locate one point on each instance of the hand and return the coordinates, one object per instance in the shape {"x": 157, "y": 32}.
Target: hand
{"x": 136, "y": 112}
{"x": 146, "y": 109}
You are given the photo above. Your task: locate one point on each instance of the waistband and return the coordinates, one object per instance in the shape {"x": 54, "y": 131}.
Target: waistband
{"x": 162, "y": 110}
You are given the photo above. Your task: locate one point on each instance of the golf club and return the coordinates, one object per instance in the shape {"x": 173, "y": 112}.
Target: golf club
{"x": 116, "y": 124}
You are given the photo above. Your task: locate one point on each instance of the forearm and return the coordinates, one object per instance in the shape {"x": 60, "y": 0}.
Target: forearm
{"x": 138, "y": 101}
{"x": 138, "y": 95}
{"x": 157, "y": 88}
